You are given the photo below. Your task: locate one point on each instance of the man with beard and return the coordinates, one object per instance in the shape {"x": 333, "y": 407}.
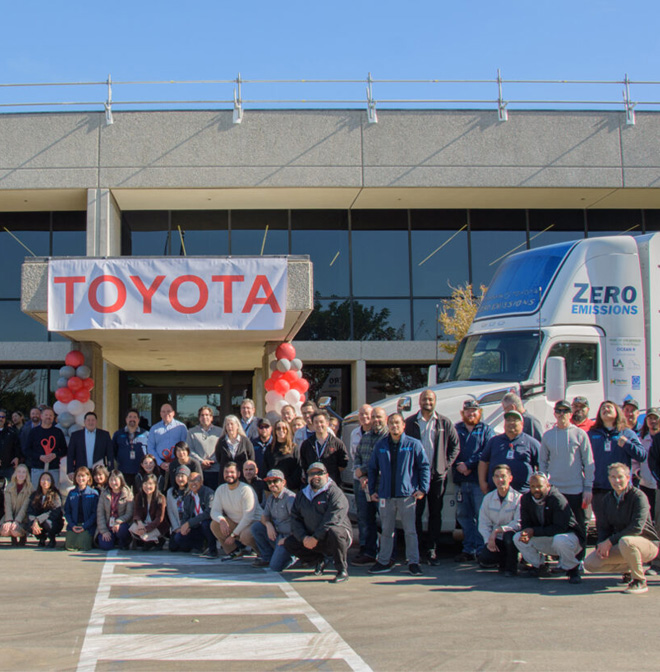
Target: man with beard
{"x": 45, "y": 446}
{"x": 548, "y": 527}
{"x": 262, "y": 442}
{"x": 580, "y": 413}
{"x": 319, "y": 523}
{"x": 130, "y": 446}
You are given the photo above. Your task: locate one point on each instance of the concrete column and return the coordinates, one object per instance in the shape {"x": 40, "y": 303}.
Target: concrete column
{"x": 103, "y": 224}
{"x": 111, "y": 410}
{"x": 358, "y": 383}
{"x": 261, "y": 375}
{"x": 94, "y": 359}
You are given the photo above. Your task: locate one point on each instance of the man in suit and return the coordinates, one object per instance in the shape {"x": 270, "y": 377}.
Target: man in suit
{"x": 89, "y": 447}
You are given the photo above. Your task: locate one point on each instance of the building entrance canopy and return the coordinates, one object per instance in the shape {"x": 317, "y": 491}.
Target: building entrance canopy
{"x": 192, "y": 313}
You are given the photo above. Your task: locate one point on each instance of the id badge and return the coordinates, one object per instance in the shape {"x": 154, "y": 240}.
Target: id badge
{"x": 381, "y": 503}
{"x": 608, "y": 446}
{"x": 511, "y": 454}
{"x": 131, "y": 455}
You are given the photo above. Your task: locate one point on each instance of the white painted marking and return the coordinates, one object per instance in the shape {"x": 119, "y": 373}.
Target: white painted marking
{"x": 322, "y": 645}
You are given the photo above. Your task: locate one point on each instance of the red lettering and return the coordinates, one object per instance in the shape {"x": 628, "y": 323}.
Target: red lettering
{"x": 174, "y": 294}
{"x": 92, "y": 294}
{"x": 68, "y": 282}
{"x": 261, "y": 282}
{"x": 228, "y": 280}
{"x": 147, "y": 293}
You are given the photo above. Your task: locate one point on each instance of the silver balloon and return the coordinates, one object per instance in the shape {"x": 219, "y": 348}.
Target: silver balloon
{"x": 273, "y": 365}
{"x": 75, "y": 428}
{"x": 61, "y": 381}
{"x": 83, "y": 371}
{"x": 66, "y": 419}
{"x": 67, "y": 372}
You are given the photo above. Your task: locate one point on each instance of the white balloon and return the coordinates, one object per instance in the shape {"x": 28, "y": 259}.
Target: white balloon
{"x": 280, "y": 405}
{"x": 299, "y": 373}
{"x": 75, "y": 407}
{"x": 66, "y": 419}
{"x": 83, "y": 371}
{"x": 296, "y": 364}
{"x": 298, "y": 408}
{"x": 270, "y": 408}
{"x": 67, "y": 372}
{"x": 283, "y": 365}
{"x": 292, "y": 397}
{"x": 59, "y": 407}
{"x": 272, "y": 398}
{"x": 80, "y": 419}
{"x": 88, "y": 407}
{"x": 75, "y": 428}
{"x": 273, "y": 365}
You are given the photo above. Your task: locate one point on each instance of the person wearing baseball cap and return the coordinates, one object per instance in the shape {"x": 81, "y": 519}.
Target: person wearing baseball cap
{"x": 319, "y": 523}
{"x": 566, "y": 457}
{"x": 580, "y": 413}
{"x": 630, "y": 410}
{"x": 473, "y": 435}
{"x": 520, "y": 451}
{"x": 275, "y": 524}
{"x": 649, "y": 470}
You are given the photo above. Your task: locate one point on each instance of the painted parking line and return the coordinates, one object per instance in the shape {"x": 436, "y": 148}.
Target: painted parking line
{"x": 169, "y": 572}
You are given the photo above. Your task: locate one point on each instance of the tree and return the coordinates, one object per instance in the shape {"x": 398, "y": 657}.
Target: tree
{"x": 457, "y": 314}
{"x": 15, "y": 393}
{"x": 334, "y": 323}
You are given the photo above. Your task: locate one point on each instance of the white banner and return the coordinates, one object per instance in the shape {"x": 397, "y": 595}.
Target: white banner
{"x": 171, "y": 293}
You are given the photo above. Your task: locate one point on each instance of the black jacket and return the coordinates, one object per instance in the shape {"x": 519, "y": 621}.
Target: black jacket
{"x": 446, "y": 447}
{"x": 10, "y": 447}
{"x": 629, "y": 517}
{"x": 334, "y": 456}
{"x": 327, "y": 509}
{"x": 244, "y": 452}
{"x": 206, "y": 502}
{"x": 556, "y": 515}
{"x": 77, "y": 452}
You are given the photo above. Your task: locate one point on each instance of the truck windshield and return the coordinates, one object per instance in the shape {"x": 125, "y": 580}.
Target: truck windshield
{"x": 506, "y": 356}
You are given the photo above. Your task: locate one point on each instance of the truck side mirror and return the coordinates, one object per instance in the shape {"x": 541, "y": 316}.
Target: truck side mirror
{"x": 403, "y": 404}
{"x": 324, "y": 402}
{"x": 555, "y": 378}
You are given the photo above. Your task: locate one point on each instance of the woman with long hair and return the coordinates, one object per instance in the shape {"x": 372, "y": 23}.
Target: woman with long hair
{"x": 233, "y": 445}
{"x": 642, "y": 470}
{"x": 150, "y": 525}
{"x": 149, "y": 466}
{"x": 17, "y": 498}
{"x": 611, "y": 441}
{"x": 80, "y": 512}
{"x": 100, "y": 476}
{"x": 114, "y": 514}
{"x": 175, "y": 497}
{"x": 44, "y": 515}
{"x": 282, "y": 455}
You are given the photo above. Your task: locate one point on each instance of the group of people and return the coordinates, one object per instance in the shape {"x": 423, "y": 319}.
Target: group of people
{"x": 522, "y": 493}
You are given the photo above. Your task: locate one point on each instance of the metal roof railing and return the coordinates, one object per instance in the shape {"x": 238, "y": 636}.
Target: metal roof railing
{"x": 396, "y": 93}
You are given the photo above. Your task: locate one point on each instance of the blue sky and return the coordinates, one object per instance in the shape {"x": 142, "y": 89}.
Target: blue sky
{"x": 76, "y": 41}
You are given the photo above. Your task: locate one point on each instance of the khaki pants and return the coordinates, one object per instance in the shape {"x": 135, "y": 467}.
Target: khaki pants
{"x": 228, "y": 545}
{"x": 629, "y": 555}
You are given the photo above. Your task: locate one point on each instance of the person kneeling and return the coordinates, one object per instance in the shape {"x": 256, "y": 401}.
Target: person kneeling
{"x": 80, "y": 511}
{"x": 626, "y": 535}
{"x": 548, "y": 528}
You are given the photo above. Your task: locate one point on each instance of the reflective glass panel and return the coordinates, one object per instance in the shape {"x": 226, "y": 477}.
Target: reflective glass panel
{"x": 257, "y": 232}
{"x": 17, "y": 326}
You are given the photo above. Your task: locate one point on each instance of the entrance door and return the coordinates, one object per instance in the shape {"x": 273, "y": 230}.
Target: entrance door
{"x": 147, "y": 391}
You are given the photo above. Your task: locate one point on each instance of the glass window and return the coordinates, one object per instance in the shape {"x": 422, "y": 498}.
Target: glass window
{"x": 376, "y": 320}
{"x": 323, "y": 235}
{"x": 21, "y": 389}
{"x": 17, "y": 326}
{"x": 330, "y": 381}
{"x": 69, "y": 234}
{"x": 581, "y": 360}
{"x": 379, "y": 241}
{"x": 547, "y": 227}
{"x": 257, "y": 232}
{"x": 200, "y": 233}
{"x": 147, "y": 233}
{"x": 494, "y": 235}
{"x": 386, "y": 381}
{"x": 652, "y": 220}
{"x": 330, "y": 321}
{"x": 425, "y": 316}
{"x": 614, "y": 222}
{"x": 439, "y": 250}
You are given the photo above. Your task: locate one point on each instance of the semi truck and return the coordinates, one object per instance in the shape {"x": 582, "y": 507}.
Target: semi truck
{"x": 579, "y": 318}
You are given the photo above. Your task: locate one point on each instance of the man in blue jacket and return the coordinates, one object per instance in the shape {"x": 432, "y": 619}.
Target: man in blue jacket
{"x": 399, "y": 475}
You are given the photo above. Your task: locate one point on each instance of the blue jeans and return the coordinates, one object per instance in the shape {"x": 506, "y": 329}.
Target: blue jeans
{"x": 271, "y": 551}
{"x": 194, "y": 539}
{"x": 467, "y": 514}
{"x": 120, "y": 538}
{"x": 367, "y": 526}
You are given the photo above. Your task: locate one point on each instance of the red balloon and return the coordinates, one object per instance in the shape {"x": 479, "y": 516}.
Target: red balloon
{"x": 74, "y": 383}
{"x": 88, "y": 384}
{"x": 302, "y": 398}
{"x": 64, "y": 394}
{"x": 290, "y": 377}
{"x": 75, "y": 358}
{"x": 268, "y": 385}
{"x": 82, "y": 395}
{"x": 281, "y": 387}
{"x": 276, "y": 375}
{"x": 303, "y": 385}
{"x": 285, "y": 351}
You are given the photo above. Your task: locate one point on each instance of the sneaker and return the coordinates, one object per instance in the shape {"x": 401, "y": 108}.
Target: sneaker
{"x": 636, "y": 588}
{"x": 574, "y": 575}
{"x": 340, "y": 577}
{"x": 260, "y": 562}
{"x": 414, "y": 569}
{"x": 196, "y": 552}
{"x": 235, "y": 554}
{"x": 377, "y": 568}
{"x": 464, "y": 557}
{"x": 362, "y": 560}
{"x": 210, "y": 554}
{"x": 535, "y": 572}
{"x": 320, "y": 568}
{"x": 651, "y": 571}
{"x": 432, "y": 559}
{"x": 625, "y": 579}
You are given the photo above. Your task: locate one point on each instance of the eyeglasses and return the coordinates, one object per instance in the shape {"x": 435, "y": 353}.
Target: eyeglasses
{"x": 2, "y": 417}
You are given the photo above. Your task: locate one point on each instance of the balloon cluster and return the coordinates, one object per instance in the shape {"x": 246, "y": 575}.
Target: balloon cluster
{"x": 286, "y": 386}
{"x": 73, "y": 390}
